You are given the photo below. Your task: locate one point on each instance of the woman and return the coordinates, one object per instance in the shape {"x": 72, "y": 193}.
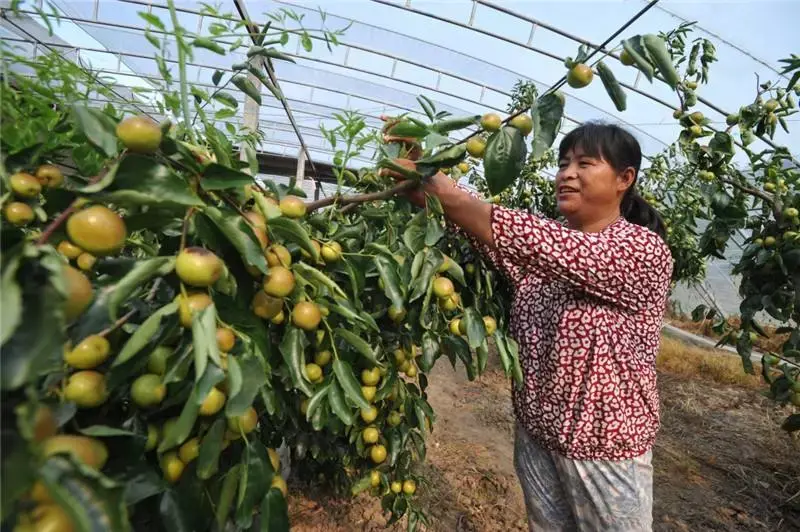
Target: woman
{"x": 589, "y": 299}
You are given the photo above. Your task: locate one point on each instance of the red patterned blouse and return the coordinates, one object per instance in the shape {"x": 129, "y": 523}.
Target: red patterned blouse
{"x": 587, "y": 314}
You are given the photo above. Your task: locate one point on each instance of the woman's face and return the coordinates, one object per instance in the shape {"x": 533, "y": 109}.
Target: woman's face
{"x": 589, "y": 189}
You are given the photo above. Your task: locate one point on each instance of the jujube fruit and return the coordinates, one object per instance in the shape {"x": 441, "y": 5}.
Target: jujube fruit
{"x": 44, "y": 423}
{"x": 625, "y": 58}
{"x": 377, "y": 453}
{"x": 191, "y": 304}
{"x": 491, "y": 122}
{"x": 157, "y": 361}
{"x": 292, "y": 207}
{"x": 490, "y": 324}
{"x": 370, "y": 435}
{"x": 330, "y": 253}
{"x": 49, "y": 176}
{"x": 139, "y": 134}
{"x": 225, "y": 339}
{"x": 69, "y": 250}
{"x": 278, "y": 255}
{"x": 396, "y": 314}
{"x": 322, "y": 358}
{"x": 374, "y": 479}
{"x": 51, "y": 518}
{"x": 148, "y": 391}
{"x": 476, "y": 146}
{"x": 396, "y": 486}
{"x": 172, "y": 467}
{"x": 86, "y": 261}
{"x": 369, "y": 392}
{"x": 313, "y": 372}
{"x": 189, "y": 450}
{"x": 443, "y": 287}
{"x": 280, "y": 484}
{"x": 152, "y": 437}
{"x": 89, "y": 451}
{"x": 98, "y": 230}
{"x": 579, "y": 76}
{"x": 279, "y": 282}
{"x": 89, "y": 353}
{"x": 197, "y": 266}
{"x": 370, "y": 377}
{"x": 264, "y": 306}
{"x": 79, "y": 293}
{"x": 87, "y": 389}
{"x": 18, "y": 213}
{"x": 245, "y": 423}
{"x": 523, "y": 122}
{"x": 409, "y": 487}
{"x": 306, "y": 315}
{"x": 25, "y": 185}
{"x": 213, "y": 403}
{"x": 369, "y": 414}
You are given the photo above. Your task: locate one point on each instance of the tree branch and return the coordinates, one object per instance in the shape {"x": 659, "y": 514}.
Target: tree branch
{"x": 777, "y": 206}
{"x": 399, "y": 188}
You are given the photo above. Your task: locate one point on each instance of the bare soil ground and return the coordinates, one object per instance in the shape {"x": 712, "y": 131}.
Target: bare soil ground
{"x": 721, "y": 462}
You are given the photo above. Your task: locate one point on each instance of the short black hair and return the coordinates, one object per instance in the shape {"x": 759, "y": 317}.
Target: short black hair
{"x": 619, "y": 148}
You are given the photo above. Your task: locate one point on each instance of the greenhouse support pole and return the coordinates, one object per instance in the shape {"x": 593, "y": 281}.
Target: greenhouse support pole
{"x": 251, "y": 109}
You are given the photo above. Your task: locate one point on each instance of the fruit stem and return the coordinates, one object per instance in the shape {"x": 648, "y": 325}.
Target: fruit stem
{"x": 50, "y": 229}
{"x": 181, "y": 45}
{"x": 124, "y": 319}
{"x": 399, "y": 188}
{"x": 186, "y": 219}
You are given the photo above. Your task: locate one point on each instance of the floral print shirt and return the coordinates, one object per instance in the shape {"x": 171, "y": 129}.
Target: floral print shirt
{"x": 587, "y": 314}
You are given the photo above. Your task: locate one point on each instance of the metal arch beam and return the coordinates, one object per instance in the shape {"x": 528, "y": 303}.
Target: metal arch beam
{"x": 50, "y": 47}
{"x": 632, "y": 88}
{"x": 149, "y": 77}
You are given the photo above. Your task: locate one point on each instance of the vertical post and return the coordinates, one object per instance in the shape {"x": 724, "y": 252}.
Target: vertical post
{"x": 300, "y": 172}
{"x": 251, "y": 109}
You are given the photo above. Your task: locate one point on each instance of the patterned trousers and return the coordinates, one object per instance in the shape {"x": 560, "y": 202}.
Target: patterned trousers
{"x": 583, "y": 495}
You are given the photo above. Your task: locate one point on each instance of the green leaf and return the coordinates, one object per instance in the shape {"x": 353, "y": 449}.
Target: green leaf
{"x": 407, "y": 128}
{"x": 135, "y": 279}
{"x": 291, "y": 231}
{"x": 216, "y": 78}
{"x": 228, "y": 492}
{"x": 144, "y": 485}
{"x": 180, "y": 431}
{"x": 338, "y": 404}
{"x": 387, "y": 269}
{"x": 476, "y": 330}
{"x": 315, "y": 402}
{"x": 547, "y": 113}
{"x": 140, "y": 338}
{"x": 104, "y": 181}
{"x": 208, "y": 44}
{"x": 227, "y": 99}
{"x": 433, "y": 231}
{"x": 318, "y": 277}
{"x": 247, "y": 87}
{"x": 254, "y": 482}
{"x": 349, "y": 383}
{"x": 293, "y": 350}
{"x": 105, "y": 431}
{"x": 637, "y": 50}
{"x": 218, "y": 177}
{"x": 430, "y": 351}
{"x": 453, "y": 124}
{"x": 274, "y": 512}
{"x": 657, "y": 49}
{"x": 445, "y": 158}
{"x": 36, "y": 346}
{"x": 10, "y": 299}
{"x": 142, "y": 180}
{"x": 482, "y": 351}
{"x": 238, "y": 233}
{"x": 92, "y": 502}
{"x": 305, "y": 40}
{"x": 204, "y": 339}
{"x": 420, "y": 285}
{"x": 267, "y": 208}
{"x": 254, "y": 377}
{"x": 175, "y": 517}
{"x": 152, "y": 19}
{"x": 210, "y": 449}
{"x": 612, "y": 86}
{"x": 98, "y": 127}
{"x": 251, "y": 157}
{"x": 359, "y": 344}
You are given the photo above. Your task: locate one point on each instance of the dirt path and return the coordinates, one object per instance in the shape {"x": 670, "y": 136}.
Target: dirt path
{"x": 721, "y": 463}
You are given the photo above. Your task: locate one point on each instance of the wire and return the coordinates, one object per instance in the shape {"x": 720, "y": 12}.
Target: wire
{"x": 560, "y": 83}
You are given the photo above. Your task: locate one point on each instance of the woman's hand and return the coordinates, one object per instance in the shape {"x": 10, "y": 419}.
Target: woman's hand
{"x": 468, "y": 212}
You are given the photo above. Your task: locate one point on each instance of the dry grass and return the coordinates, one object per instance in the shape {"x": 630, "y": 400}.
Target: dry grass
{"x": 678, "y": 358}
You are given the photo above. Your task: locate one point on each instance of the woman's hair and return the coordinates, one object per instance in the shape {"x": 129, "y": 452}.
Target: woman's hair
{"x": 621, "y": 150}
